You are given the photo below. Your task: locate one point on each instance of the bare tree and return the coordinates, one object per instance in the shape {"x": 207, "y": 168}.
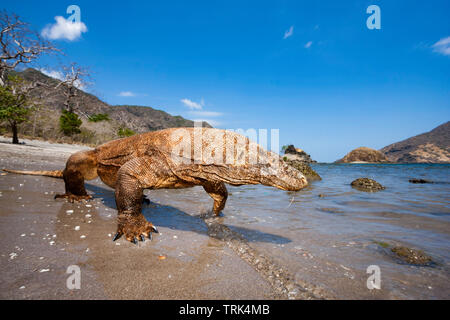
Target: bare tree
{"x": 73, "y": 77}
{"x": 19, "y": 44}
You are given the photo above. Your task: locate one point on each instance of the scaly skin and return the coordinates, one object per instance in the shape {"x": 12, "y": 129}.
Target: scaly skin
{"x": 172, "y": 158}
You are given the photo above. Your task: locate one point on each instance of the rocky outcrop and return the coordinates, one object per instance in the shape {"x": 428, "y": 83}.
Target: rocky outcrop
{"x": 364, "y": 155}
{"x": 292, "y": 153}
{"x": 304, "y": 168}
{"x": 300, "y": 160}
{"x": 367, "y": 185}
{"x": 429, "y": 147}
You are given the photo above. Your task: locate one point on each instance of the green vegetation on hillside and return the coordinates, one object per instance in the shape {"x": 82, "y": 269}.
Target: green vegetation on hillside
{"x": 99, "y": 117}
{"x": 69, "y": 123}
{"x": 125, "y": 132}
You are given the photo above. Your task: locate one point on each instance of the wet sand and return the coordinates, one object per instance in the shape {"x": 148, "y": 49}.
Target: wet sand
{"x": 195, "y": 256}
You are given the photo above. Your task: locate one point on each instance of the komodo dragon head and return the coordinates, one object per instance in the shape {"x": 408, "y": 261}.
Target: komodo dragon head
{"x": 280, "y": 175}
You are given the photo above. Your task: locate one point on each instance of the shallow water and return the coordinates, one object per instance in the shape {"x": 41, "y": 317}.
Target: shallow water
{"x": 331, "y": 240}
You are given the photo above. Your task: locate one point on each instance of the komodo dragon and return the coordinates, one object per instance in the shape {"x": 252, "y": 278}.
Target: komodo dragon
{"x": 171, "y": 158}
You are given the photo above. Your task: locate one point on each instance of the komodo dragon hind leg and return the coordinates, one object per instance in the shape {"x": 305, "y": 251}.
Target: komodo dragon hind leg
{"x": 132, "y": 178}
{"x": 219, "y": 193}
{"x": 80, "y": 166}
{"x": 74, "y": 182}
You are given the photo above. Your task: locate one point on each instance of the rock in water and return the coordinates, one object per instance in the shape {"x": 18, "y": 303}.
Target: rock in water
{"x": 364, "y": 155}
{"x": 420, "y": 181}
{"x": 300, "y": 160}
{"x": 412, "y": 256}
{"x": 367, "y": 185}
{"x": 304, "y": 168}
{"x": 293, "y": 153}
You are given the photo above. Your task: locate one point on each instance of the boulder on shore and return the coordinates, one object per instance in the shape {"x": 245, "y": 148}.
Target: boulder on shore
{"x": 364, "y": 155}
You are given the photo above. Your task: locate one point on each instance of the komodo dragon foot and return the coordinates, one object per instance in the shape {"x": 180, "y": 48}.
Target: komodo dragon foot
{"x": 72, "y": 197}
{"x": 134, "y": 227}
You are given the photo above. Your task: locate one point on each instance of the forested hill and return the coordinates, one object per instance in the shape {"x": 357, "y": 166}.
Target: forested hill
{"x": 45, "y": 121}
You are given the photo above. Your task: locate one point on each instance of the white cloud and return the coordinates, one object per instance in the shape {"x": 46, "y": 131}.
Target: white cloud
{"x": 442, "y": 46}
{"x": 206, "y": 113}
{"x": 53, "y": 74}
{"x": 289, "y": 32}
{"x": 64, "y": 29}
{"x": 214, "y": 123}
{"x": 203, "y": 115}
{"x": 127, "y": 94}
{"x": 308, "y": 44}
{"x": 59, "y": 76}
{"x": 193, "y": 105}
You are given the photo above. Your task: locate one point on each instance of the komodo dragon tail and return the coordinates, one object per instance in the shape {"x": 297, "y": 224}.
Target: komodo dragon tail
{"x": 53, "y": 174}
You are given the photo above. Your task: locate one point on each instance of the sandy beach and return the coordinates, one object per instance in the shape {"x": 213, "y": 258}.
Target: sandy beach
{"x": 193, "y": 257}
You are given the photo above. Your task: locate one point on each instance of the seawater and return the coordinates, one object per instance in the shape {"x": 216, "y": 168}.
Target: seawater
{"x": 329, "y": 233}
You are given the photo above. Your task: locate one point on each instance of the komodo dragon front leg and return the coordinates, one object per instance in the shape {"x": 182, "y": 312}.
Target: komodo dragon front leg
{"x": 132, "y": 178}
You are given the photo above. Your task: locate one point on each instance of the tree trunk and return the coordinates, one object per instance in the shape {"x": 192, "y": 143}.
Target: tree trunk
{"x": 34, "y": 123}
{"x": 15, "y": 139}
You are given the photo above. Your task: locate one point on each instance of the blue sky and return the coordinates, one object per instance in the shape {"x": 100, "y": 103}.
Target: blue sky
{"x": 309, "y": 68}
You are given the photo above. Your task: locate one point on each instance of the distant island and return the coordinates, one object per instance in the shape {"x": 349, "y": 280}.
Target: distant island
{"x": 364, "y": 155}
{"x": 429, "y": 147}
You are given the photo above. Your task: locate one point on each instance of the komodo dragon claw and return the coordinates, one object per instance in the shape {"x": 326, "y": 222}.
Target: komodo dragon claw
{"x": 134, "y": 228}
{"x": 117, "y": 236}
